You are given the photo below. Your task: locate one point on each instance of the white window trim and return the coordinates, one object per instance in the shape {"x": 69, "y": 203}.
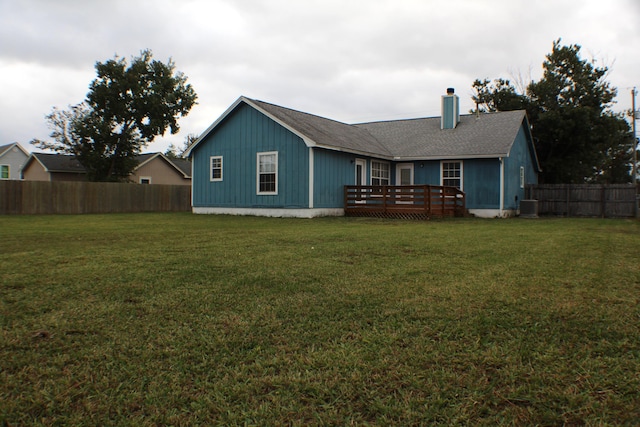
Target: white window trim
{"x": 8, "y": 171}
{"x": 371, "y": 177}
{"x": 442, "y": 162}
{"x": 522, "y": 177}
{"x": 265, "y": 193}
{"x": 142, "y": 178}
{"x": 211, "y": 159}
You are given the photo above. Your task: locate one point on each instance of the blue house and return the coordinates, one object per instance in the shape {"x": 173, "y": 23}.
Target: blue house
{"x": 263, "y": 159}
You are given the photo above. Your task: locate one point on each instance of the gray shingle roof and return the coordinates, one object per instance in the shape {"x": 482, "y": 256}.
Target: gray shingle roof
{"x": 59, "y": 162}
{"x": 325, "y": 132}
{"x": 68, "y": 163}
{"x": 184, "y": 165}
{"x": 486, "y": 135}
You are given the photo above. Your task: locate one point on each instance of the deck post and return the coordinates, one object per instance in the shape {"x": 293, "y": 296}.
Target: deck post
{"x": 384, "y": 199}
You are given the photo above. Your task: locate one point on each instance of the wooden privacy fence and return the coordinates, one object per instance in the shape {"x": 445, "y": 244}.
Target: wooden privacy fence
{"x": 585, "y": 200}
{"x": 39, "y": 197}
{"x": 403, "y": 201}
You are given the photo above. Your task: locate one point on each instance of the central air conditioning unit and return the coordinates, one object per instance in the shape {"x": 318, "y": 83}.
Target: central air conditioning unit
{"x": 529, "y": 209}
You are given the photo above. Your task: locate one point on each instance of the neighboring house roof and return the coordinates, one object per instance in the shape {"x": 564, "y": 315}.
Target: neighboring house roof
{"x": 69, "y": 164}
{"x": 475, "y": 136}
{"x": 182, "y": 166}
{"x": 7, "y": 147}
{"x": 58, "y": 163}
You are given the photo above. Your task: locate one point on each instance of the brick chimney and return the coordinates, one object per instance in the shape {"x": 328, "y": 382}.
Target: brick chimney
{"x": 450, "y": 110}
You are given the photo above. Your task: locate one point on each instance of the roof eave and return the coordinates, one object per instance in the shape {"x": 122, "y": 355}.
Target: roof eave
{"x": 308, "y": 141}
{"x": 451, "y": 157}
{"x": 213, "y": 125}
{"x": 356, "y": 152}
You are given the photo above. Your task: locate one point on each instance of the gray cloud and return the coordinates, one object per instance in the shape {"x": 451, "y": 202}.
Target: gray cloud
{"x": 359, "y": 60}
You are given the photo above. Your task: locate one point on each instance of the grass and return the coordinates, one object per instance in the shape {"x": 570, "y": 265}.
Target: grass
{"x": 176, "y": 319}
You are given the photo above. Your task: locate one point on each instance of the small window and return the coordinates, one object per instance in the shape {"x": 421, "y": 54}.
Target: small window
{"x": 145, "y": 180}
{"x": 267, "y": 173}
{"x": 379, "y": 173}
{"x": 216, "y": 168}
{"x": 4, "y": 171}
{"x": 521, "y": 176}
{"x": 452, "y": 174}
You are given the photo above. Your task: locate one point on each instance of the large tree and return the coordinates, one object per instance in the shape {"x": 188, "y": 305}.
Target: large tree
{"x": 126, "y": 107}
{"x": 577, "y": 136}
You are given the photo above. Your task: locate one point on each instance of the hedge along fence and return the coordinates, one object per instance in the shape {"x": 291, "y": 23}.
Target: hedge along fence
{"x": 585, "y": 200}
{"x": 39, "y": 197}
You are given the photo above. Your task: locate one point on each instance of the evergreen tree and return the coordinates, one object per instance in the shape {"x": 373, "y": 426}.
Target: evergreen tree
{"x": 577, "y": 136}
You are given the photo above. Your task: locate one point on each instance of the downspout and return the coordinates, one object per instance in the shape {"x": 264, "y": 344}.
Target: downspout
{"x": 501, "y": 187}
{"x": 192, "y": 186}
{"x": 311, "y": 177}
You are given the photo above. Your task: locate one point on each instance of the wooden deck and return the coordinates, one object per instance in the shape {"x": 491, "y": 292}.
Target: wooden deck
{"x": 403, "y": 201}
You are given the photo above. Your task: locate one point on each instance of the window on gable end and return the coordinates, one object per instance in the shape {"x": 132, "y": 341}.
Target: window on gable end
{"x": 267, "y": 173}
{"x": 215, "y": 168}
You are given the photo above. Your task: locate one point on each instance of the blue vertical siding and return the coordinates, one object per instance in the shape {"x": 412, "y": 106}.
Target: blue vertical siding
{"x": 244, "y": 133}
{"x": 481, "y": 180}
{"x": 332, "y": 171}
{"x": 521, "y": 155}
{"x": 426, "y": 172}
{"x": 482, "y": 183}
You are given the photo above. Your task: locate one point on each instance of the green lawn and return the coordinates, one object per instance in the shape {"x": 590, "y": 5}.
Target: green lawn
{"x": 177, "y": 319}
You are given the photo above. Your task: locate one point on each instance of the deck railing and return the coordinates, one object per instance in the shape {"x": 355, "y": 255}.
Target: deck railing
{"x": 403, "y": 201}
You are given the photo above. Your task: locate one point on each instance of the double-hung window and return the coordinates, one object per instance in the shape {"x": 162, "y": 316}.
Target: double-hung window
{"x": 4, "y": 171}
{"x": 452, "y": 174}
{"x": 379, "y": 173}
{"x": 267, "y": 173}
{"x": 215, "y": 168}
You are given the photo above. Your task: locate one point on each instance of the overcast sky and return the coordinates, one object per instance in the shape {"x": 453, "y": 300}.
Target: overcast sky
{"x": 348, "y": 60}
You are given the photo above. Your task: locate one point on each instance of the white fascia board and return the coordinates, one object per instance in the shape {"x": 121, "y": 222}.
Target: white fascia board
{"x": 171, "y": 164}
{"x": 213, "y": 125}
{"x": 139, "y": 165}
{"x": 308, "y": 141}
{"x": 356, "y": 152}
{"x": 34, "y": 156}
{"x": 465, "y": 157}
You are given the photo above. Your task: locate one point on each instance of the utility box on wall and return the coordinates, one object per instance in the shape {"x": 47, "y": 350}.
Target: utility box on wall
{"x": 529, "y": 209}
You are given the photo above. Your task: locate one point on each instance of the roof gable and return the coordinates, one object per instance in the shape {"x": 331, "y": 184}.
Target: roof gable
{"x": 5, "y": 148}
{"x": 322, "y": 132}
{"x": 181, "y": 166}
{"x": 315, "y": 131}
